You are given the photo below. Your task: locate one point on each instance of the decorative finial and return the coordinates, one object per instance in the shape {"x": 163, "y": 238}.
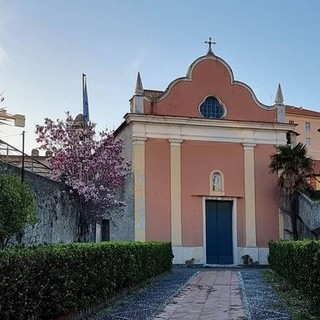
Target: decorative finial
{"x": 279, "y": 96}
{"x": 139, "y": 86}
{"x": 210, "y": 43}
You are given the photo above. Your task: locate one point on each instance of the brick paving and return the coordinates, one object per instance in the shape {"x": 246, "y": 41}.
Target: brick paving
{"x": 208, "y": 295}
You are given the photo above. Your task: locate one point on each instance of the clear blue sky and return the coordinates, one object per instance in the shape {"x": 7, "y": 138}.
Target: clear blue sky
{"x": 45, "y": 45}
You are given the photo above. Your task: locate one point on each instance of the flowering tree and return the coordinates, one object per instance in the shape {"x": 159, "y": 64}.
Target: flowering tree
{"x": 90, "y": 164}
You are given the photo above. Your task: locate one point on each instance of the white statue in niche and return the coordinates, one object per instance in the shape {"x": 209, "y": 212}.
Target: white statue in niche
{"x": 216, "y": 182}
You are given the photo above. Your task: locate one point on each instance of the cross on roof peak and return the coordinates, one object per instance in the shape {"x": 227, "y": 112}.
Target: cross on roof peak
{"x": 210, "y": 43}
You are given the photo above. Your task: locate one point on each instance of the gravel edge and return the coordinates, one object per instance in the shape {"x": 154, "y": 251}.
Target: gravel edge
{"x": 117, "y": 312}
{"x": 244, "y": 297}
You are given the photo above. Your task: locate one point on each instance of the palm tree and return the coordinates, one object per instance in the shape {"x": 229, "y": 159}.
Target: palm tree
{"x": 293, "y": 166}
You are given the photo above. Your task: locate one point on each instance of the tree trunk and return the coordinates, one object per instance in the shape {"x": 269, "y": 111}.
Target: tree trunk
{"x": 83, "y": 226}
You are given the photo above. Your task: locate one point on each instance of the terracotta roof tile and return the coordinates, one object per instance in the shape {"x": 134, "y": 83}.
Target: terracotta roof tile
{"x": 301, "y": 111}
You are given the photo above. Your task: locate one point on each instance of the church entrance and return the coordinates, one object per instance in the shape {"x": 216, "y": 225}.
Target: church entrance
{"x": 219, "y": 249}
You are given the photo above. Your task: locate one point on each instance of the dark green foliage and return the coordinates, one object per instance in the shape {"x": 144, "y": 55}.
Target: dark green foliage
{"x": 17, "y": 207}
{"x": 312, "y": 194}
{"x": 289, "y": 298}
{"x": 50, "y": 280}
{"x": 299, "y": 263}
{"x": 293, "y": 166}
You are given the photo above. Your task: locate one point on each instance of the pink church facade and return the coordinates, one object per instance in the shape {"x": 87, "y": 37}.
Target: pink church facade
{"x": 200, "y": 152}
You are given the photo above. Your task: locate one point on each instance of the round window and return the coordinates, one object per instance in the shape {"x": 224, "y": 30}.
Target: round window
{"x": 211, "y": 108}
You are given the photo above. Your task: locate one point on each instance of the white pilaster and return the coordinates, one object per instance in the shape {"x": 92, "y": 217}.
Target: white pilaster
{"x": 175, "y": 187}
{"x": 249, "y": 188}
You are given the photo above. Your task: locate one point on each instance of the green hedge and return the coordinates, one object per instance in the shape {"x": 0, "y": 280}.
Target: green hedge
{"x": 50, "y": 280}
{"x": 299, "y": 263}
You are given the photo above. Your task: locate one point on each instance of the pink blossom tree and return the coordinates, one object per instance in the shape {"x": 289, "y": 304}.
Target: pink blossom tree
{"x": 90, "y": 164}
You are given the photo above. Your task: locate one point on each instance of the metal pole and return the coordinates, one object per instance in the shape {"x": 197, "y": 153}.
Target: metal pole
{"x": 22, "y": 166}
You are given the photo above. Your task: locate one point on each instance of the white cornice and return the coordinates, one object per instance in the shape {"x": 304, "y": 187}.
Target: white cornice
{"x": 203, "y": 122}
{"x": 168, "y": 127}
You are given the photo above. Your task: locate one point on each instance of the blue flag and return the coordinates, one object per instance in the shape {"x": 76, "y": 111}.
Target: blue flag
{"x": 85, "y": 99}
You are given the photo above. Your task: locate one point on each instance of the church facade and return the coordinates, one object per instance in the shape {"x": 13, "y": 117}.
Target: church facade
{"x": 200, "y": 152}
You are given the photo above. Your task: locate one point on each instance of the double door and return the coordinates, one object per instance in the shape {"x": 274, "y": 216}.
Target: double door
{"x": 219, "y": 242}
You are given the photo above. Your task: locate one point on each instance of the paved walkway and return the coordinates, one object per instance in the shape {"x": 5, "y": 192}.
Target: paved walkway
{"x": 208, "y": 295}
{"x": 200, "y": 294}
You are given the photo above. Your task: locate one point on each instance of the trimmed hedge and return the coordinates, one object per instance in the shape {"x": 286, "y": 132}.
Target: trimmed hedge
{"x": 50, "y": 280}
{"x": 299, "y": 263}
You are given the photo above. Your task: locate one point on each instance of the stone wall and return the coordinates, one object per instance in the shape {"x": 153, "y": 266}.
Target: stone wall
{"x": 308, "y": 220}
{"x": 309, "y": 212}
{"x": 122, "y": 219}
{"x": 57, "y": 213}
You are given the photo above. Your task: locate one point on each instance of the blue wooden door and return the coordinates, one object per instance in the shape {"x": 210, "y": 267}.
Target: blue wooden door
{"x": 219, "y": 232}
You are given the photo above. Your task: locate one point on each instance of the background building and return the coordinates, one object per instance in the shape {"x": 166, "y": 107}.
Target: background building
{"x": 307, "y": 126}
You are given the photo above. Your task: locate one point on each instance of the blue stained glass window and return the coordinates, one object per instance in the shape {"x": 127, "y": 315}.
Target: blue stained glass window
{"x": 211, "y": 108}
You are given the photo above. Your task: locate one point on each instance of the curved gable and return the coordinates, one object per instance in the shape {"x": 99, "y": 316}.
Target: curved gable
{"x": 210, "y": 76}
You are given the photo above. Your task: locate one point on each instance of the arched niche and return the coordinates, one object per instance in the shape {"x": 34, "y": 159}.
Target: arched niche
{"x": 216, "y": 183}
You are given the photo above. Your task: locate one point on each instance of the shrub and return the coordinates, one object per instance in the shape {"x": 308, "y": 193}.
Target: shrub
{"x": 50, "y": 280}
{"x": 299, "y": 263}
{"x": 17, "y": 207}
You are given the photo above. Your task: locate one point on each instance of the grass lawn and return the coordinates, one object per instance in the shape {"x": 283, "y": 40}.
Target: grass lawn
{"x": 290, "y": 298}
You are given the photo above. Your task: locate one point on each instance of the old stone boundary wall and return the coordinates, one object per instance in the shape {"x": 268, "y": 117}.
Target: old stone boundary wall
{"x": 308, "y": 220}
{"x": 309, "y": 212}
{"x": 57, "y": 213}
